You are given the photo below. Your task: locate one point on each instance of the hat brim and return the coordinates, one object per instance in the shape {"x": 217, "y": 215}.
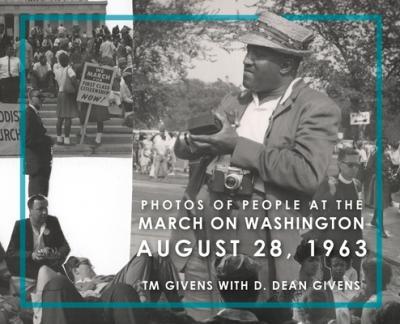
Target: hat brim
{"x": 258, "y": 40}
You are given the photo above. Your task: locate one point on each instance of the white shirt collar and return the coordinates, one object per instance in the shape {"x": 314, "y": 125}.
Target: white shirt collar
{"x": 289, "y": 90}
{"x": 342, "y": 179}
{"x": 41, "y": 230}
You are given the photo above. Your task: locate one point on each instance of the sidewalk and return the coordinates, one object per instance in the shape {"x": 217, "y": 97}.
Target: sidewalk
{"x": 391, "y": 251}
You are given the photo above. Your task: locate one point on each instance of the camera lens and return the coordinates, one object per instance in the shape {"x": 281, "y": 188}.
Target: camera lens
{"x": 232, "y": 181}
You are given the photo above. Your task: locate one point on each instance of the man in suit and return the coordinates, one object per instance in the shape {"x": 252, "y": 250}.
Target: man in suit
{"x": 5, "y": 41}
{"x": 45, "y": 241}
{"x": 9, "y": 76}
{"x": 344, "y": 187}
{"x": 4, "y": 273}
{"x": 279, "y": 130}
{"x": 38, "y": 148}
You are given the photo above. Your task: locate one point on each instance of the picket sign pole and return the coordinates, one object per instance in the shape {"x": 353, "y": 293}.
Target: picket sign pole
{"x": 86, "y": 123}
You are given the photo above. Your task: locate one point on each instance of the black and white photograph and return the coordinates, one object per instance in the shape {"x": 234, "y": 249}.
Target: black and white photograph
{"x": 200, "y": 161}
{"x": 78, "y": 156}
{"x": 255, "y": 155}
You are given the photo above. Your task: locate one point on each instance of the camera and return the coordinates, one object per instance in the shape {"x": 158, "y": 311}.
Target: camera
{"x": 232, "y": 180}
{"x": 205, "y": 124}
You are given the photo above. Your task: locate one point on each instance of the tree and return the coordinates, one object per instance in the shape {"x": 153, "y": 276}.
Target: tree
{"x": 162, "y": 53}
{"x": 190, "y": 98}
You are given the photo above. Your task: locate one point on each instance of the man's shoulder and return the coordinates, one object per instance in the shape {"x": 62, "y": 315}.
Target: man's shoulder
{"x": 31, "y": 115}
{"x": 18, "y": 222}
{"x": 51, "y": 219}
{"x": 309, "y": 95}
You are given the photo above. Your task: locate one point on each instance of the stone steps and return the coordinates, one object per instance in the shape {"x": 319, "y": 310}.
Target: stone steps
{"x": 106, "y": 138}
{"x": 91, "y": 128}
{"x": 116, "y": 139}
{"x": 121, "y": 150}
{"x": 115, "y": 122}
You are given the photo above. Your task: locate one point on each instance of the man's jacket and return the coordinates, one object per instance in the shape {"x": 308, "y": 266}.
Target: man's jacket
{"x": 292, "y": 162}
{"x": 53, "y": 237}
{"x": 38, "y": 144}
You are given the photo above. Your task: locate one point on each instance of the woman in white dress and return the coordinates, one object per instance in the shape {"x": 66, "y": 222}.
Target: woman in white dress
{"x": 66, "y": 101}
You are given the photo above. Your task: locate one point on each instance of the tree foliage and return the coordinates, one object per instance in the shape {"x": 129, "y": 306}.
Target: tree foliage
{"x": 163, "y": 51}
{"x": 190, "y": 98}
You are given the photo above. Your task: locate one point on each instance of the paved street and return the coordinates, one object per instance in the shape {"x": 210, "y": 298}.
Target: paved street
{"x": 392, "y": 224}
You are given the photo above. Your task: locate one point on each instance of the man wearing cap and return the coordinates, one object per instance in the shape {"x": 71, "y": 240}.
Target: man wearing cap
{"x": 279, "y": 130}
{"x": 38, "y": 147}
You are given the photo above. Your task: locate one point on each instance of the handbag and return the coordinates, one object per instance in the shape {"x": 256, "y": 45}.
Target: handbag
{"x": 68, "y": 85}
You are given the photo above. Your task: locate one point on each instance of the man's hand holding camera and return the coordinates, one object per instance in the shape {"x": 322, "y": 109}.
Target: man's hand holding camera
{"x": 46, "y": 253}
{"x": 223, "y": 142}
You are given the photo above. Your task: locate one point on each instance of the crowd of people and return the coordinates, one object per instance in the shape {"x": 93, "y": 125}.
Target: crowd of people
{"x": 54, "y": 63}
{"x": 153, "y": 153}
{"x": 391, "y": 175}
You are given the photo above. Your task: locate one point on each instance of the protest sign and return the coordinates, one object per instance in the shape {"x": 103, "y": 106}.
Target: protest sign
{"x": 95, "y": 88}
{"x": 360, "y": 118}
{"x": 95, "y": 85}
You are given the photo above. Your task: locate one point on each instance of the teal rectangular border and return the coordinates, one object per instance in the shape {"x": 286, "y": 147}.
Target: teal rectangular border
{"x": 376, "y": 19}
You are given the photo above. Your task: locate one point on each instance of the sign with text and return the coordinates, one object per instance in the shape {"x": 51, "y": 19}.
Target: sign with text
{"x": 360, "y": 118}
{"x": 96, "y": 84}
{"x": 9, "y": 129}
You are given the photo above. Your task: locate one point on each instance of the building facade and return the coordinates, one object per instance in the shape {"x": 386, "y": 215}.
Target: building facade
{"x": 10, "y": 11}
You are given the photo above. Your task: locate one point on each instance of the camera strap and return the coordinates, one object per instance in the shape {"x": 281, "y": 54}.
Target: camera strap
{"x": 197, "y": 178}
